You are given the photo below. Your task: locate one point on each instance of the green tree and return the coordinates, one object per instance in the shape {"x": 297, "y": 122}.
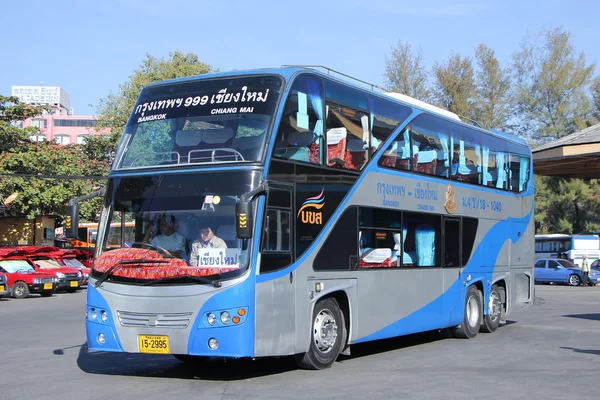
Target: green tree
{"x": 454, "y": 86}
{"x": 492, "y": 101}
{"x": 551, "y": 83}
{"x": 12, "y": 112}
{"x": 595, "y": 88}
{"x": 114, "y": 110}
{"x": 405, "y": 72}
{"x": 26, "y": 166}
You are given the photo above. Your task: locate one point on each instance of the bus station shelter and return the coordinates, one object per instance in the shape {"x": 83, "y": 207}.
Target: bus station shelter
{"x": 574, "y": 156}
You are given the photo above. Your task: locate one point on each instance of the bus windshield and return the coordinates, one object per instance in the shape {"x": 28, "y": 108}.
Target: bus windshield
{"x": 187, "y": 217}
{"x": 198, "y": 122}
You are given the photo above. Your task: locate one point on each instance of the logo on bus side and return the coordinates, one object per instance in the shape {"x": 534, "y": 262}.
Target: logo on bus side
{"x": 313, "y": 217}
{"x": 450, "y": 204}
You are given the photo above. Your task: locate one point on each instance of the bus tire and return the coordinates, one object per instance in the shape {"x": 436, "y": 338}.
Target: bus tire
{"x": 328, "y": 336}
{"x": 491, "y": 321}
{"x": 20, "y": 290}
{"x": 472, "y": 318}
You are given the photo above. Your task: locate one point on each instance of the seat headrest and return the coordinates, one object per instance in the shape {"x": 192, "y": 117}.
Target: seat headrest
{"x": 188, "y": 138}
{"x": 355, "y": 146}
{"x": 217, "y": 136}
{"x": 248, "y": 142}
{"x": 335, "y": 135}
{"x": 426, "y": 156}
{"x": 300, "y": 138}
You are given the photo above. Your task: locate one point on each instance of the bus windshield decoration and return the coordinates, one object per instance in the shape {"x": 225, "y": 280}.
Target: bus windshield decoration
{"x": 286, "y": 206}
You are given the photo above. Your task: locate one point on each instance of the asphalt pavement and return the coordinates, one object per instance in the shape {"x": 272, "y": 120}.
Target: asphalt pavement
{"x": 548, "y": 351}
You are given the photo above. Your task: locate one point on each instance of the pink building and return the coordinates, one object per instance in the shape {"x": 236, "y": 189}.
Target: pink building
{"x": 59, "y": 125}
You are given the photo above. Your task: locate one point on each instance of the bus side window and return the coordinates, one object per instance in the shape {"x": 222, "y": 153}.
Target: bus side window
{"x": 300, "y": 132}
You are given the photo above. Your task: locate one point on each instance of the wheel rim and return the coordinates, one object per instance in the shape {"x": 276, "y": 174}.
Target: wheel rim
{"x": 325, "y": 331}
{"x": 472, "y": 311}
{"x": 495, "y": 306}
{"x": 19, "y": 290}
{"x": 574, "y": 280}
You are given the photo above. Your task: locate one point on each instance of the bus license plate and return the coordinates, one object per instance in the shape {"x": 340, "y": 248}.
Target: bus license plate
{"x": 47, "y": 286}
{"x": 154, "y": 344}
{"x": 1, "y": 288}
{"x": 74, "y": 284}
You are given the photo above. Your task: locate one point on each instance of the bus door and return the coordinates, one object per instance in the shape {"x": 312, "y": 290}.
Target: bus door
{"x": 276, "y": 298}
{"x": 452, "y": 261}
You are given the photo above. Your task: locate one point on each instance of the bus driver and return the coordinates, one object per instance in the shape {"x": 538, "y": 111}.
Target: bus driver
{"x": 171, "y": 242}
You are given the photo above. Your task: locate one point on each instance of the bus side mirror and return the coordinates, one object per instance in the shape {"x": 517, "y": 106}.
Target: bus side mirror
{"x": 243, "y": 220}
{"x": 72, "y": 222}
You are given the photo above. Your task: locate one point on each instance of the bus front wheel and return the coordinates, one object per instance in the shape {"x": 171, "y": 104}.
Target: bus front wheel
{"x": 328, "y": 336}
{"x": 472, "y": 318}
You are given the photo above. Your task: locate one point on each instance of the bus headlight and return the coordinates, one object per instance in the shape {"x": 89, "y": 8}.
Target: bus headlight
{"x": 225, "y": 318}
{"x": 211, "y": 318}
{"x": 213, "y": 343}
{"x": 104, "y": 316}
{"x": 94, "y": 313}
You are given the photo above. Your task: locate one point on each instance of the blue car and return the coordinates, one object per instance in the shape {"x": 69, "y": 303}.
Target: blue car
{"x": 553, "y": 270}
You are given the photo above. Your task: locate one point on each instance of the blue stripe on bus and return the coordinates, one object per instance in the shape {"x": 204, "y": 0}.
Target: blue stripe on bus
{"x": 93, "y": 329}
{"x": 374, "y": 168}
{"x": 488, "y": 249}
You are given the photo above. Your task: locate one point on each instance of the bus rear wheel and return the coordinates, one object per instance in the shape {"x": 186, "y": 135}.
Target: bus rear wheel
{"x": 473, "y": 315}
{"x": 328, "y": 336}
{"x": 491, "y": 321}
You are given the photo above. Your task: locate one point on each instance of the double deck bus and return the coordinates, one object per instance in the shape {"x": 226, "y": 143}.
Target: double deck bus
{"x": 349, "y": 215}
{"x": 574, "y": 247}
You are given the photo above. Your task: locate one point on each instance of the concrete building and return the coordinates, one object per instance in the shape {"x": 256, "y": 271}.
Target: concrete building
{"x": 59, "y": 124}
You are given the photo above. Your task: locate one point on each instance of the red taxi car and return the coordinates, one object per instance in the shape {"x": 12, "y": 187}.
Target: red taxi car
{"x": 4, "y": 291}
{"x": 23, "y": 278}
{"x": 65, "y": 257}
{"x": 69, "y": 279}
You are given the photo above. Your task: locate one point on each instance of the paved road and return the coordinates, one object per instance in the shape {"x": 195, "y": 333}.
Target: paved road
{"x": 549, "y": 351}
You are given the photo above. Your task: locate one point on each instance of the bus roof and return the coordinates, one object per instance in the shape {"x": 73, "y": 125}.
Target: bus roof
{"x": 288, "y": 71}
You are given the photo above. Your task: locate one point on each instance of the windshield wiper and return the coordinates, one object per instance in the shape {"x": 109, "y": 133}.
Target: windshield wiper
{"x": 129, "y": 263}
{"x": 199, "y": 279}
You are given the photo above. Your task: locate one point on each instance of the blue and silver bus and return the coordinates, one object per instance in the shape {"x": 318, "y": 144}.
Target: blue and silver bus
{"x": 342, "y": 215}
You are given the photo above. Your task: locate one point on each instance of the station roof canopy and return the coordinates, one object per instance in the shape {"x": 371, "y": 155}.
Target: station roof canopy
{"x": 573, "y": 156}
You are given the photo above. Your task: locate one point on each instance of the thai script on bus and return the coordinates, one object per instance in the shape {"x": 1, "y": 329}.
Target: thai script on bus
{"x": 390, "y": 190}
{"x": 218, "y": 258}
{"x": 314, "y": 217}
{"x": 221, "y": 97}
{"x": 425, "y": 192}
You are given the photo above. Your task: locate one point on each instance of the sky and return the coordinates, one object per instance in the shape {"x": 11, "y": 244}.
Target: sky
{"x": 89, "y": 48}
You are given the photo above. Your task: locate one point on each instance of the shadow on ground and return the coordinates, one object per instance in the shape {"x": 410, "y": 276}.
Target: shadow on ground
{"x": 217, "y": 369}
{"x": 593, "y": 316}
{"x": 584, "y": 351}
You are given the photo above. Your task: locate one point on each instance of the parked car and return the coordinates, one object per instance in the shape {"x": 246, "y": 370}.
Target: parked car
{"x": 23, "y": 278}
{"x": 69, "y": 279}
{"x": 4, "y": 290}
{"x": 65, "y": 257}
{"x": 555, "y": 270}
